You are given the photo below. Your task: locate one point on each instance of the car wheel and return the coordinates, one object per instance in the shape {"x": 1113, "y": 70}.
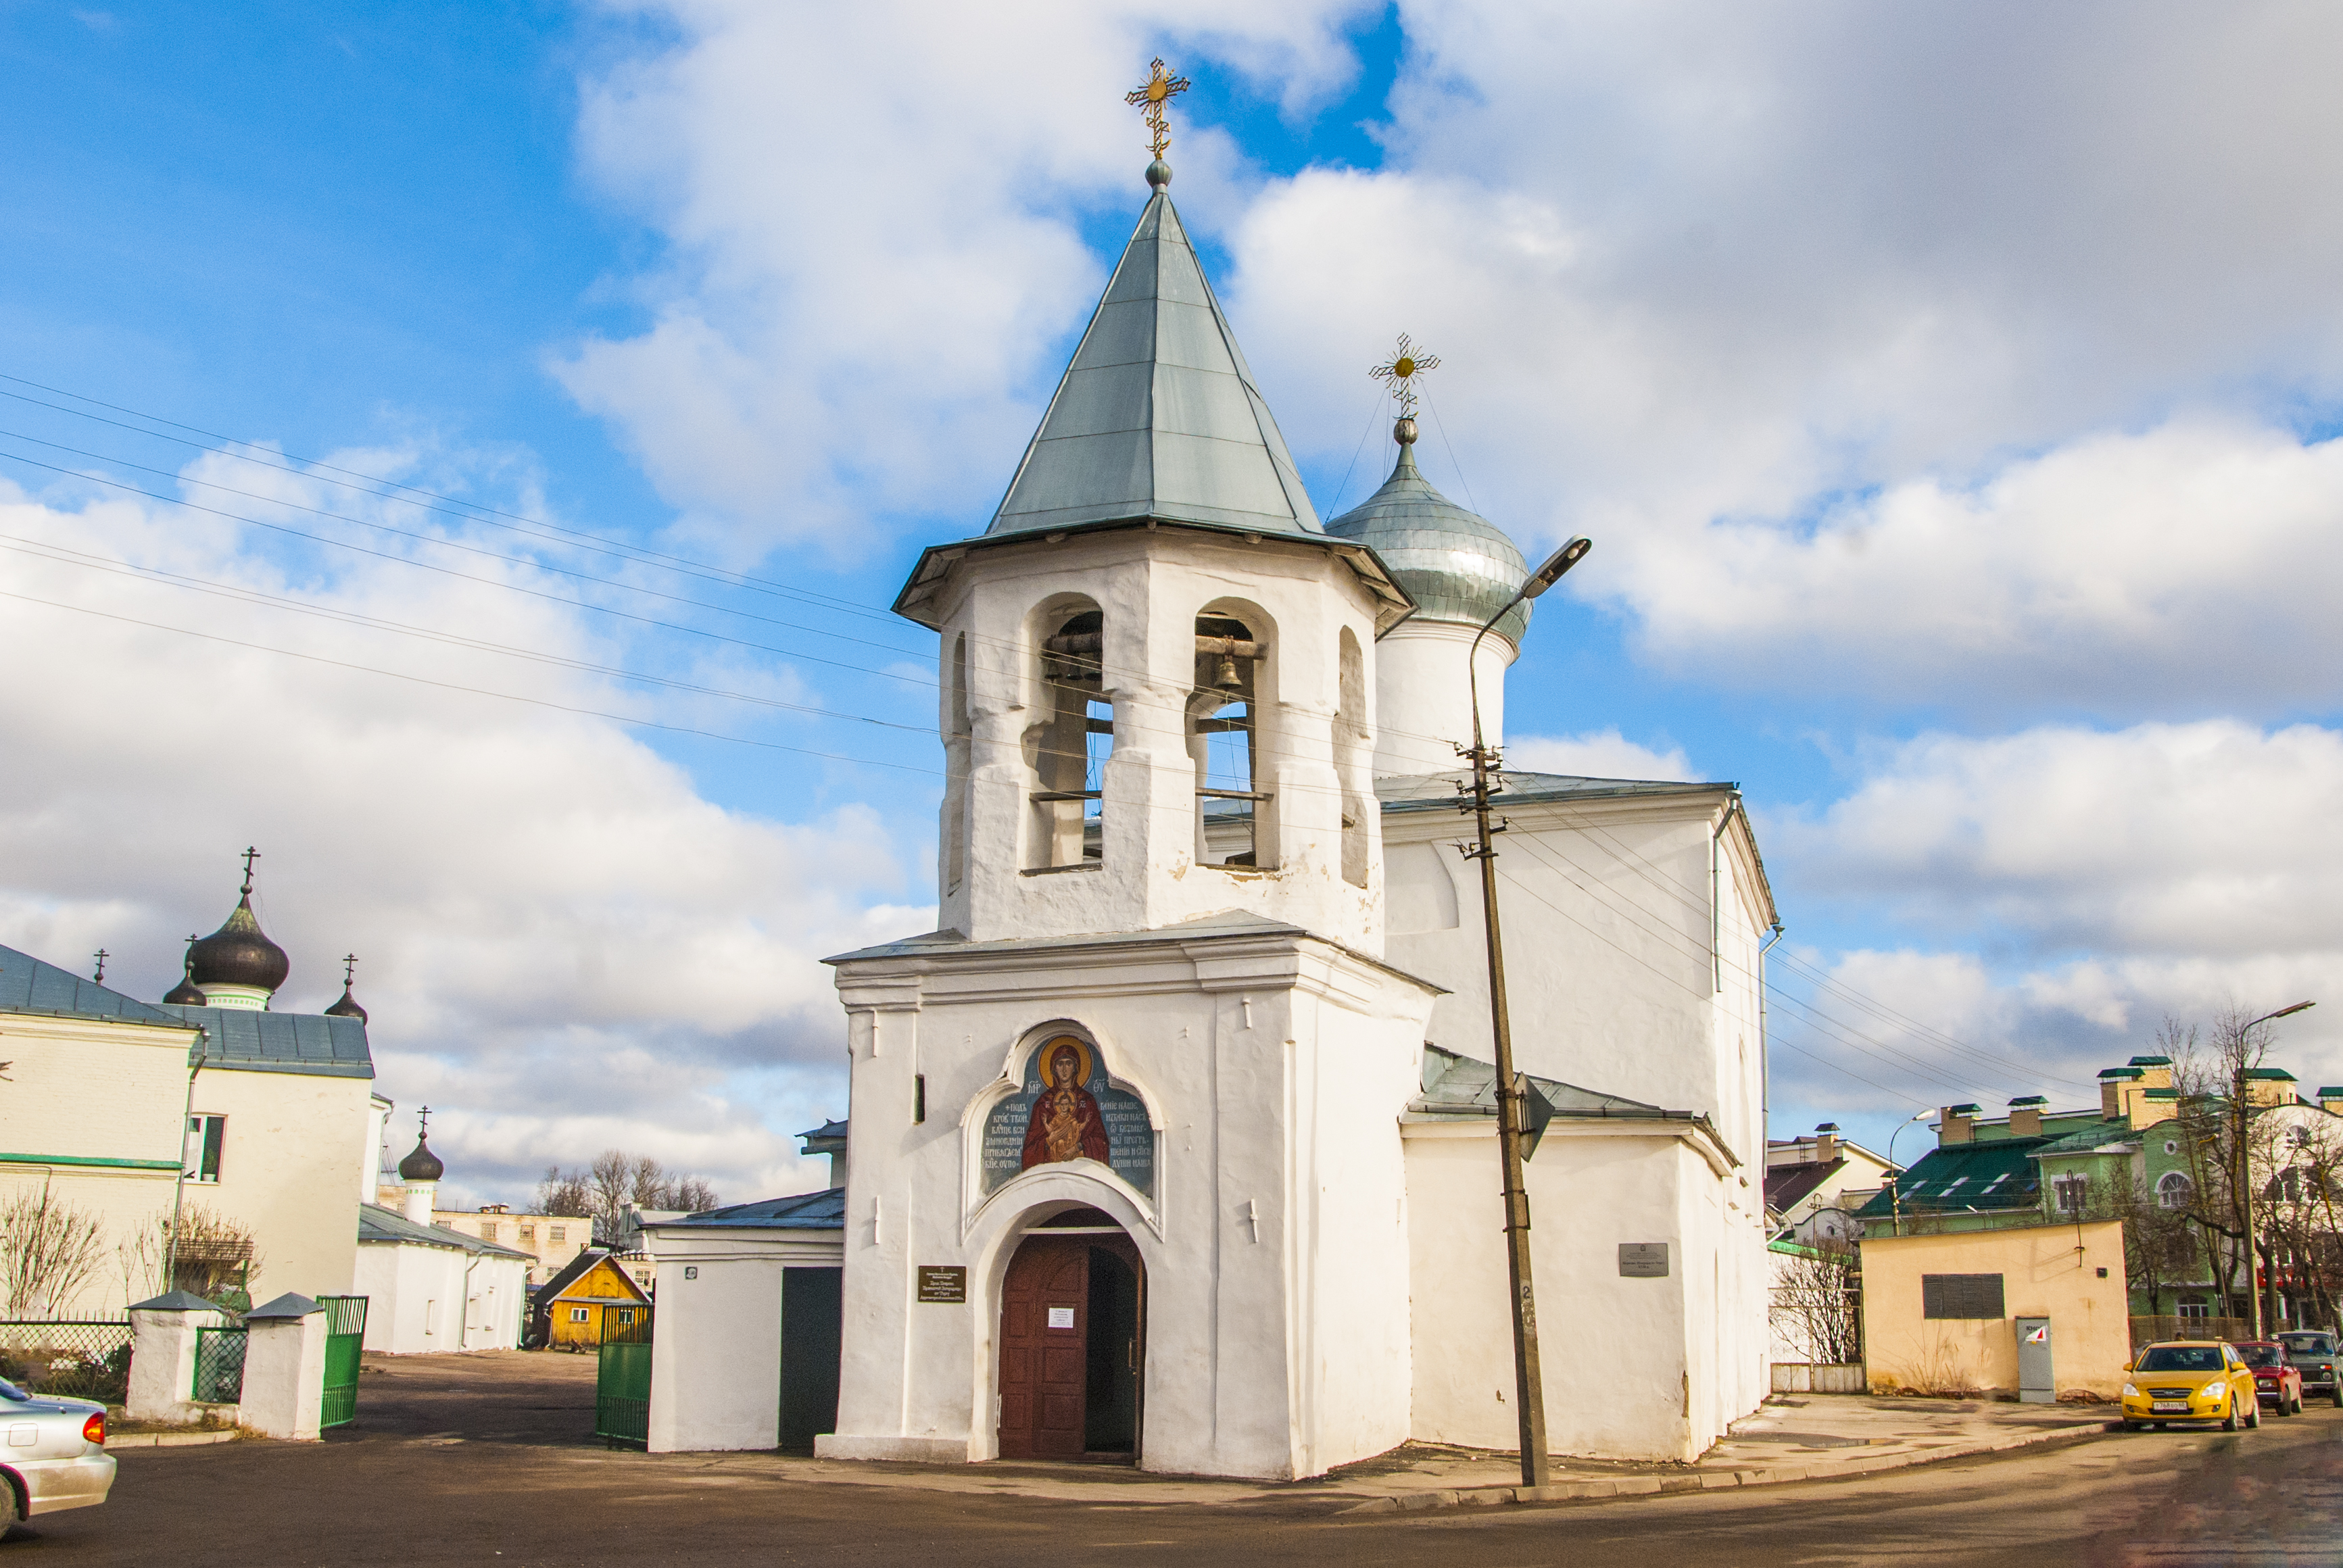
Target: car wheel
{"x": 2132, "y": 1426}
{"x": 2230, "y": 1419}
{"x": 2284, "y": 1408}
{"x": 2339, "y": 1396}
{"x": 2253, "y": 1413}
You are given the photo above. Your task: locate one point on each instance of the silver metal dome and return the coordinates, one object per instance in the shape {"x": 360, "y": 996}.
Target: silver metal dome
{"x": 1459, "y": 566}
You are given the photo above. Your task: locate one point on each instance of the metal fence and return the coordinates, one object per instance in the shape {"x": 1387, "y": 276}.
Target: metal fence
{"x": 2148, "y": 1331}
{"x": 219, "y": 1366}
{"x": 622, "y": 1384}
{"x": 84, "y": 1359}
{"x": 344, "y": 1342}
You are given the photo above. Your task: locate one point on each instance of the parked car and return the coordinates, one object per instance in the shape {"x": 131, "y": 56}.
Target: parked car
{"x": 2276, "y": 1382}
{"x": 54, "y": 1457}
{"x": 2314, "y": 1355}
{"x": 2190, "y": 1380}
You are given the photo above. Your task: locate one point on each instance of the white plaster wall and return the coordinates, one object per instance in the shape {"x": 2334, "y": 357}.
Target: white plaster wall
{"x": 715, "y": 1360}
{"x": 1423, "y": 695}
{"x": 295, "y": 1152}
{"x": 1630, "y": 1365}
{"x": 402, "y": 1280}
{"x": 1151, "y": 585}
{"x": 1274, "y": 1066}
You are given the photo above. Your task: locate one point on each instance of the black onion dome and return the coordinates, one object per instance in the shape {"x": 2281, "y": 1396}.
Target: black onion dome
{"x": 422, "y": 1165}
{"x": 238, "y": 953}
{"x": 347, "y": 1007}
{"x": 183, "y": 994}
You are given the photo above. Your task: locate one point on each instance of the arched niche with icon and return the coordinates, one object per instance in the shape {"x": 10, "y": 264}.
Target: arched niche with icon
{"x": 1066, "y": 1108}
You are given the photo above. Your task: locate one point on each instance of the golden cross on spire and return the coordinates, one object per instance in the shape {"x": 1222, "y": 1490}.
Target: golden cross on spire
{"x": 1401, "y": 371}
{"x": 1150, "y": 97}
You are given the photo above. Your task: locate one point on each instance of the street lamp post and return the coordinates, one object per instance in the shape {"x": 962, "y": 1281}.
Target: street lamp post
{"x": 1896, "y": 1173}
{"x": 1528, "y": 1381}
{"x": 2244, "y": 1167}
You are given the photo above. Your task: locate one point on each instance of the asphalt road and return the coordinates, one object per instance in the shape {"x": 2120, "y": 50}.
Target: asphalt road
{"x": 471, "y": 1464}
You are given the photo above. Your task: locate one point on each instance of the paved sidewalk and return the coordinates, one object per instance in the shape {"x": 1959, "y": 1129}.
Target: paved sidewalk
{"x": 1794, "y": 1437}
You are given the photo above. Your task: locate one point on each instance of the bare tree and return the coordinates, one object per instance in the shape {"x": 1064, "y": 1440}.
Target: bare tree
{"x": 139, "y": 1255}
{"x": 1817, "y": 1306}
{"x": 615, "y": 1183}
{"x": 214, "y": 1257}
{"x": 48, "y": 1251}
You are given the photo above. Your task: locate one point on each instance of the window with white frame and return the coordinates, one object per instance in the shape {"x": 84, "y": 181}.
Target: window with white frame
{"x": 2071, "y": 1191}
{"x": 201, "y": 1157}
{"x": 2173, "y": 1189}
{"x": 578, "y": 1314}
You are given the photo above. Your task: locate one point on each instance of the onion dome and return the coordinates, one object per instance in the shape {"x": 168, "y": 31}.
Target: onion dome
{"x": 348, "y": 1006}
{"x": 184, "y": 993}
{"x": 1459, "y": 566}
{"x": 422, "y": 1165}
{"x": 239, "y": 953}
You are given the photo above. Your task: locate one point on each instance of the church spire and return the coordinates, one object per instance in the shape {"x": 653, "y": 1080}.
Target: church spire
{"x": 1158, "y": 416}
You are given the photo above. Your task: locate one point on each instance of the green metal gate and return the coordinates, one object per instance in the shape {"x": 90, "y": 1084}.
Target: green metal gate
{"x": 219, "y": 1366}
{"x": 344, "y": 1340}
{"x": 622, "y": 1382}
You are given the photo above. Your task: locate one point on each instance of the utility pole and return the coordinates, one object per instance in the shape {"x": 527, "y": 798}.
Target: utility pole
{"x": 1529, "y": 1382}
{"x": 2243, "y": 1175}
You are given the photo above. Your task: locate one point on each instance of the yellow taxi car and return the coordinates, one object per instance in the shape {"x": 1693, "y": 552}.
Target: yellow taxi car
{"x": 2190, "y": 1380}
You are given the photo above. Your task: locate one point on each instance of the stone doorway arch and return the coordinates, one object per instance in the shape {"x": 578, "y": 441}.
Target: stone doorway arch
{"x": 1073, "y": 1342}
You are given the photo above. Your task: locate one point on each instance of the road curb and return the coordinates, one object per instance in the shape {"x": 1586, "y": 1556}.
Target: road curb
{"x": 1708, "y": 1479}
{"x": 166, "y": 1439}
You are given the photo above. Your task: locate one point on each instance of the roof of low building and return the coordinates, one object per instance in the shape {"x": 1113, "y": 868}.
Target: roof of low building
{"x": 305, "y": 1042}
{"x": 577, "y": 1268}
{"x": 33, "y": 985}
{"x": 1787, "y": 1186}
{"x": 1460, "y": 1086}
{"x": 1438, "y": 791}
{"x": 381, "y": 1225}
{"x": 2110, "y": 1132}
{"x": 1964, "y": 1177}
{"x": 823, "y": 1210}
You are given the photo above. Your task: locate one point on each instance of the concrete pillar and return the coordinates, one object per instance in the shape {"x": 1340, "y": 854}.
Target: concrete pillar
{"x": 285, "y": 1368}
{"x": 163, "y": 1356}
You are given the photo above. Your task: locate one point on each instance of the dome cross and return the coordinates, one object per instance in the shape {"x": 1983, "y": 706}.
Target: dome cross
{"x": 1150, "y": 97}
{"x": 1400, "y": 371}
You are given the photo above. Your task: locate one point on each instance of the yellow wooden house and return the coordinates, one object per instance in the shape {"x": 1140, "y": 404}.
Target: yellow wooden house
{"x": 569, "y": 1306}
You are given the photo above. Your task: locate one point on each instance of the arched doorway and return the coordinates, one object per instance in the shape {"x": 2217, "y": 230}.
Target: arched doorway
{"x": 1073, "y": 1342}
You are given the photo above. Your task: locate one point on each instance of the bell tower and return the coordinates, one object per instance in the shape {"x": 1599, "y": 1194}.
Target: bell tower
{"x": 1157, "y": 693}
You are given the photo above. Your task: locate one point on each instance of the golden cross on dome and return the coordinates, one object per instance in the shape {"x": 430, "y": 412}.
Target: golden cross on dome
{"x": 1151, "y": 96}
{"x": 1401, "y": 371}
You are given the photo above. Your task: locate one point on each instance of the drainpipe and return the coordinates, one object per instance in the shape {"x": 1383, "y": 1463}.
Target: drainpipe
{"x": 1765, "y": 1058}
{"x": 179, "y": 1183}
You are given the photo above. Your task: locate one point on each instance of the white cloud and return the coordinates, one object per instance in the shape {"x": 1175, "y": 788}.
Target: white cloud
{"x": 872, "y": 212}
{"x": 1597, "y": 754}
{"x": 2099, "y": 880}
{"x": 564, "y": 946}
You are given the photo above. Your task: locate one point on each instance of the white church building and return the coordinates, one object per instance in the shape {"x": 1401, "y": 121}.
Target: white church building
{"x": 1177, "y": 1141}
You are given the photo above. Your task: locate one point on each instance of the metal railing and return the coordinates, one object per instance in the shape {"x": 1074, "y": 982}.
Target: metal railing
{"x": 219, "y": 1366}
{"x": 77, "y": 1359}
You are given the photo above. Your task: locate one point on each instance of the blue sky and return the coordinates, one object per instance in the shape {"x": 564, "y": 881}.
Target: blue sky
{"x": 1969, "y": 508}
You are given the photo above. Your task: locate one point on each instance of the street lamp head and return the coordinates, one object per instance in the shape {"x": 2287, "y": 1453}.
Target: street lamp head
{"x": 1561, "y": 561}
{"x": 2291, "y": 1011}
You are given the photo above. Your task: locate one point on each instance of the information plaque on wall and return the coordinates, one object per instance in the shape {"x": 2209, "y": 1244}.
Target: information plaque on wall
{"x": 942, "y": 1284}
{"x": 1642, "y": 1260}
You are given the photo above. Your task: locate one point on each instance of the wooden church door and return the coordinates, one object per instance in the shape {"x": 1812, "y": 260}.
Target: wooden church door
{"x": 1044, "y": 1348}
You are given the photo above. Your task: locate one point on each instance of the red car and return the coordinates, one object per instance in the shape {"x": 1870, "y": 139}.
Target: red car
{"x": 2278, "y": 1382}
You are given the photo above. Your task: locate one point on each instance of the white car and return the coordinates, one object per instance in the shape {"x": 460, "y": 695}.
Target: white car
{"x": 54, "y": 1454}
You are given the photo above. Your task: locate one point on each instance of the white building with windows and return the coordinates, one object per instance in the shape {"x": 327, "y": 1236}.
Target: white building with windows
{"x": 429, "y": 1286}
{"x": 1177, "y": 1141}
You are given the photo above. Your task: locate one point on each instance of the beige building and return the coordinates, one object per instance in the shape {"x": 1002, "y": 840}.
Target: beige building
{"x": 550, "y": 1239}
{"x": 1941, "y": 1312}
{"x": 205, "y": 1105}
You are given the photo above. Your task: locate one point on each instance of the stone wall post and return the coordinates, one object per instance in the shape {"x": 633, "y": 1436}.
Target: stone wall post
{"x": 285, "y": 1368}
{"x": 163, "y": 1356}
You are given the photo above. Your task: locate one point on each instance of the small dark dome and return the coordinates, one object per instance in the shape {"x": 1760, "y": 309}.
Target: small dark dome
{"x": 238, "y": 953}
{"x": 347, "y": 1007}
{"x": 422, "y": 1165}
{"x": 183, "y": 994}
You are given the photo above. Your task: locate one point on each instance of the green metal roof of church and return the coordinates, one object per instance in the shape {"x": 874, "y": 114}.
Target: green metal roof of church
{"x": 378, "y": 1224}
{"x": 28, "y": 984}
{"x": 1455, "y": 564}
{"x": 1158, "y": 415}
{"x": 315, "y": 1043}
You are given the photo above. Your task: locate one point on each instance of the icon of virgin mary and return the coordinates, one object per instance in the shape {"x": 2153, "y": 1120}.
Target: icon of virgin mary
{"x": 1066, "y": 1123}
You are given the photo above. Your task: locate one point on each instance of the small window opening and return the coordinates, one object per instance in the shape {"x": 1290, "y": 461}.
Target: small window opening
{"x": 207, "y": 1135}
{"x": 2070, "y": 1191}
{"x": 1224, "y": 744}
{"x": 1353, "y": 748}
{"x": 1069, "y": 748}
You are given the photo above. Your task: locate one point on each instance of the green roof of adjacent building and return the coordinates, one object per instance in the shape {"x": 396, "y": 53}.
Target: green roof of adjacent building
{"x": 2271, "y": 1073}
{"x": 1965, "y": 1178}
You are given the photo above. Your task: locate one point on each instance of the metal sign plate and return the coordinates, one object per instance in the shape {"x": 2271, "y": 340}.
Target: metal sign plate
{"x": 1642, "y": 1260}
{"x": 938, "y": 1283}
